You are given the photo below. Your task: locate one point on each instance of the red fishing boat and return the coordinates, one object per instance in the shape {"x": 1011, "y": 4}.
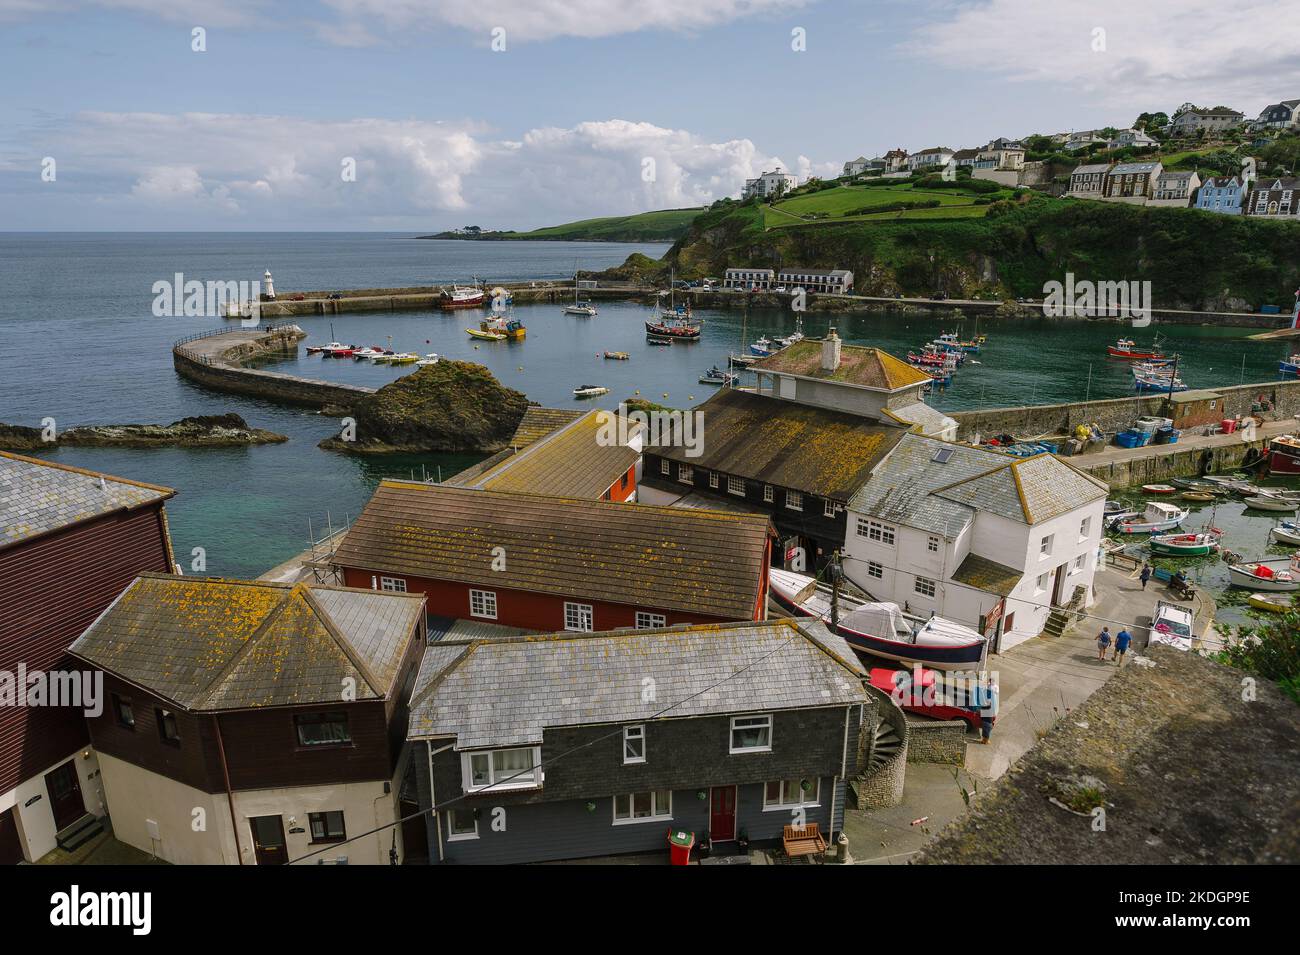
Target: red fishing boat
{"x": 1284, "y": 455}
{"x": 1126, "y": 348}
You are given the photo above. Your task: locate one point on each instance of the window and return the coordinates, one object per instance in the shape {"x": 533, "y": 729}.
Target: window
{"x": 751, "y": 734}
{"x": 924, "y": 586}
{"x": 122, "y": 710}
{"x": 1045, "y": 545}
{"x": 623, "y": 481}
{"x": 577, "y": 617}
{"x": 1085, "y": 526}
{"x": 327, "y": 826}
{"x": 685, "y": 473}
{"x": 483, "y": 603}
{"x": 875, "y": 570}
{"x": 396, "y": 585}
{"x": 785, "y": 793}
{"x": 502, "y": 769}
{"x": 736, "y": 485}
{"x": 461, "y": 824}
{"x": 828, "y": 509}
{"x": 167, "y": 729}
{"x": 794, "y": 500}
{"x": 1041, "y": 584}
{"x": 323, "y": 729}
{"x": 665, "y": 466}
{"x": 634, "y": 744}
{"x": 932, "y": 545}
{"x": 1079, "y": 563}
{"x": 649, "y": 621}
{"x": 767, "y": 493}
{"x": 875, "y": 531}
{"x": 643, "y": 807}
{"x": 713, "y": 479}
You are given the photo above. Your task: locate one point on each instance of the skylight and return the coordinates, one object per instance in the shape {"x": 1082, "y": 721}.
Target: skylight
{"x": 942, "y": 455}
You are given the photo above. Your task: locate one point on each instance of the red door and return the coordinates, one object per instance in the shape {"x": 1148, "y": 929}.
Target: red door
{"x": 722, "y": 813}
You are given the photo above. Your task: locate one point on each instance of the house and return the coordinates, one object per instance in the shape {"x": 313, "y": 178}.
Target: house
{"x": 1132, "y": 182}
{"x": 749, "y": 279}
{"x": 545, "y": 563}
{"x": 1131, "y": 137}
{"x": 825, "y": 281}
{"x": 929, "y": 159}
{"x": 575, "y": 460}
{"x": 1212, "y": 121}
{"x": 1283, "y": 115}
{"x": 1224, "y": 194}
{"x": 895, "y": 160}
{"x": 1005, "y": 158}
{"x": 770, "y": 185}
{"x": 70, "y": 541}
{"x": 966, "y": 157}
{"x": 586, "y": 745}
{"x": 1009, "y": 144}
{"x": 1083, "y": 139}
{"x": 1274, "y": 198}
{"x": 973, "y": 534}
{"x": 856, "y": 167}
{"x": 1175, "y": 188}
{"x": 250, "y": 722}
{"x": 797, "y": 464}
{"x": 1088, "y": 182}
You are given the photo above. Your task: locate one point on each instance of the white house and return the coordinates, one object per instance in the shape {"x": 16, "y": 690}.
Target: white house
{"x": 1217, "y": 120}
{"x": 936, "y": 157}
{"x": 749, "y": 278}
{"x": 966, "y": 532}
{"x": 856, "y": 167}
{"x": 826, "y": 281}
{"x": 1131, "y": 137}
{"x": 1175, "y": 188}
{"x": 770, "y": 184}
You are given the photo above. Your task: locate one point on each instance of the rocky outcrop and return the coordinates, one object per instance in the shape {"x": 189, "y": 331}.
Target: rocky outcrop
{"x": 211, "y": 431}
{"x": 450, "y": 406}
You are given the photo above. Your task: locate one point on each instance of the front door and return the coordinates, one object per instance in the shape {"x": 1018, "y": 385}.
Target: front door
{"x": 65, "y": 795}
{"x": 1058, "y": 587}
{"x": 722, "y": 813}
{"x": 268, "y": 840}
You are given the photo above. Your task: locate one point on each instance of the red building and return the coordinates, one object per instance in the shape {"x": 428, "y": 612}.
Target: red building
{"x": 70, "y": 542}
{"x": 546, "y": 564}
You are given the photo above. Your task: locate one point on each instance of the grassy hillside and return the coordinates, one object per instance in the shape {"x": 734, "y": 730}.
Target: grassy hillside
{"x": 1192, "y": 259}
{"x": 903, "y": 201}
{"x": 666, "y": 225}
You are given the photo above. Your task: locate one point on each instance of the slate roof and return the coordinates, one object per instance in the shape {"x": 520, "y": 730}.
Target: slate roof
{"x": 859, "y": 365}
{"x": 987, "y": 575}
{"x": 210, "y": 644}
{"x": 575, "y": 460}
{"x": 919, "y": 413}
{"x": 704, "y": 562}
{"x": 804, "y": 447}
{"x": 538, "y": 422}
{"x": 1128, "y": 168}
{"x": 38, "y": 496}
{"x": 1028, "y": 490}
{"x": 1091, "y": 168}
{"x": 507, "y": 693}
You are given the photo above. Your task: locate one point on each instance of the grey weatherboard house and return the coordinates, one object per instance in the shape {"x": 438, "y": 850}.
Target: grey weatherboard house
{"x": 580, "y": 745}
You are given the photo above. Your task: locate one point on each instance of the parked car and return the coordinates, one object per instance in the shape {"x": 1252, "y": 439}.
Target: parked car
{"x": 950, "y": 697}
{"x": 939, "y": 296}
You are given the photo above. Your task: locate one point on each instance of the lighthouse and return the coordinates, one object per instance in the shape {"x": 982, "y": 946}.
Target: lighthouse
{"x": 270, "y": 286}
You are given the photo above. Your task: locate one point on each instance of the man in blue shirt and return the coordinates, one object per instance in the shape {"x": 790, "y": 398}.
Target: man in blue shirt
{"x": 1122, "y": 640}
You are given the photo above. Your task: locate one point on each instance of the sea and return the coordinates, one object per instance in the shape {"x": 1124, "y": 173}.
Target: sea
{"x": 79, "y": 343}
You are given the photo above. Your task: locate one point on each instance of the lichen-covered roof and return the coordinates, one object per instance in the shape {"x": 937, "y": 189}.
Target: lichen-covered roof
{"x": 39, "y": 496}
{"x": 694, "y": 561}
{"x": 987, "y": 575}
{"x": 810, "y": 449}
{"x": 506, "y": 693}
{"x": 859, "y": 365}
{"x": 209, "y": 644}
{"x": 1029, "y": 490}
{"x": 539, "y": 422}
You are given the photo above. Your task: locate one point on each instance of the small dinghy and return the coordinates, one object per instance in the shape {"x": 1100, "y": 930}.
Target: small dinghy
{"x": 1197, "y": 496}
{"x": 1159, "y": 488}
{"x": 1270, "y": 503}
{"x": 1185, "y": 545}
{"x": 1276, "y": 576}
{"x": 589, "y": 391}
{"x": 1287, "y": 532}
{"x": 716, "y": 376}
{"x": 1273, "y": 603}
{"x": 618, "y": 355}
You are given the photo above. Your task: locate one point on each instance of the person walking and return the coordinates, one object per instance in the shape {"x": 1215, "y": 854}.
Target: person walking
{"x": 1122, "y": 640}
{"x": 985, "y": 698}
{"x": 1103, "y": 643}
{"x": 1146, "y": 575}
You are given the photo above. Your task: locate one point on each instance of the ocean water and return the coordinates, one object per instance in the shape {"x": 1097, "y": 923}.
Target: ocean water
{"x": 78, "y": 343}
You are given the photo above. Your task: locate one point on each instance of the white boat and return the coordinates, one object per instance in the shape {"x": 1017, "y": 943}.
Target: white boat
{"x": 585, "y": 309}
{"x": 1275, "y": 576}
{"x": 806, "y": 596}
{"x": 429, "y": 359}
{"x": 589, "y": 391}
{"x": 367, "y": 352}
{"x": 1270, "y": 503}
{"x": 1158, "y": 516}
{"x": 1287, "y": 532}
{"x": 1171, "y": 625}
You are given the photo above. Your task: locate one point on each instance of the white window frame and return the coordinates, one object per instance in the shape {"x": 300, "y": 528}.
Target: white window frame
{"x": 685, "y": 474}
{"x": 1041, "y": 583}
{"x": 1080, "y": 564}
{"x": 932, "y": 544}
{"x": 713, "y": 479}
{"x": 768, "y": 494}
{"x": 1085, "y": 527}
{"x": 1045, "y": 545}
{"x": 487, "y": 599}
{"x": 735, "y": 485}
{"x": 645, "y": 620}
{"x": 393, "y": 585}
{"x": 579, "y": 618}
{"x": 877, "y": 532}
{"x": 452, "y": 835}
{"x": 920, "y": 585}
{"x": 806, "y": 800}
{"x": 655, "y": 815}
{"x": 665, "y": 466}
{"x": 754, "y": 721}
{"x": 794, "y": 500}
{"x": 875, "y": 569}
{"x": 467, "y": 771}
{"x": 828, "y": 508}
{"x": 631, "y": 733}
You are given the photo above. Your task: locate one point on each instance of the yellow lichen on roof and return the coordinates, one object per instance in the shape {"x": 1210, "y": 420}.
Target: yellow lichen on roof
{"x": 899, "y": 373}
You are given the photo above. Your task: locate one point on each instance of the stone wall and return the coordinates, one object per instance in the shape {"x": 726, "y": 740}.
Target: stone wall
{"x": 929, "y": 741}
{"x": 882, "y": 787}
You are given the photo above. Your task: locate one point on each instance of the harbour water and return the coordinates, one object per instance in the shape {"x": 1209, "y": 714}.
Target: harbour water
{"x": 78, "y": 343}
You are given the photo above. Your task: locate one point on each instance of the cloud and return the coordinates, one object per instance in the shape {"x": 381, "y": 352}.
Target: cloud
{"x": 1156, "y": 53}
{"x": 209, "y": 170}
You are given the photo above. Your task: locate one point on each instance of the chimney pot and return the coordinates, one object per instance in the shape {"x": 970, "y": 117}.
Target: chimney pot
{"x": 831, "y": 351}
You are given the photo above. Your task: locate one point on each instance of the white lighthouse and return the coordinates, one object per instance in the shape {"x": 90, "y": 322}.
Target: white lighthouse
{"x": 270, "y": 285}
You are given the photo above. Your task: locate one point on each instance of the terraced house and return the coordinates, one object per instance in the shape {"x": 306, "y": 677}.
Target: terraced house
{"x": 254, "y": 723}
{"x": 579, "y": 745}
{"x": 546, "y": 563}
{"x": 70, "y": 541}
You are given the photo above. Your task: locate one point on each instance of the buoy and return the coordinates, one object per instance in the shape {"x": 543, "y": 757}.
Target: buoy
{"x": 665, "y": 394}
{"x": 637, "y": 392}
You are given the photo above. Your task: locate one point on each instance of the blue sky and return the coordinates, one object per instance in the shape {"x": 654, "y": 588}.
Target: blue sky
{"x": 146, "y": 133}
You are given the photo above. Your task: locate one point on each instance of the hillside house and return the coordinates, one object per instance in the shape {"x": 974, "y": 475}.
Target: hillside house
{"x": 1132, "y": 182}
{"x": 1282, "y": 116}
{"x": 1211, "y": 121}
{"x": 1175, "y": 188}
{"x": 1274, "y": 198}
{"x": 1223, "y": 194}
{"x": 770, "y": 185}
{"x": 1089, "y": 181}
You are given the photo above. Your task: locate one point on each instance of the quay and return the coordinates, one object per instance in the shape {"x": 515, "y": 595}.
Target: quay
{"x": 1192, "y": 456}
{"x": 426, "y": 297}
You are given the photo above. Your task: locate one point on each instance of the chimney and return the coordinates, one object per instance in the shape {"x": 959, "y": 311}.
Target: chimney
{"x": 830, "y": 351}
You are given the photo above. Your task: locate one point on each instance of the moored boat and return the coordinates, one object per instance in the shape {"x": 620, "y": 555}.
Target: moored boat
{"x": 1273, "y": 603}
{"x": 716, "y": 376}
{"x": 429, "y": 359}
{"x": 618, "y": 355}
{"x": 1270, "y": 503}
{"x": 589, "y": 391}
{"x": 1126, "y": 348}
{"x": 1275, "y": 576}
{"x": 486, "y": 334}
{"x": 1286, "y": 532}
{"x": 1197, "y": 496}
{"x": 460, "y": 297}
{"x": 1159, "y": 488}
{"x": 1185, "y": 545}
{"x": 1289, "y": 366}
{"x": 1284, "y": 454}
{"x": 1158, "y": 516}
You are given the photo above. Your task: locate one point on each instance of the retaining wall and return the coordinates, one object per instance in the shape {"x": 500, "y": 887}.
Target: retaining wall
{"x": 937, "y": 742}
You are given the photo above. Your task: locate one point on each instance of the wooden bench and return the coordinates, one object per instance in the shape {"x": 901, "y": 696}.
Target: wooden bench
{"x": 804, "y": 841}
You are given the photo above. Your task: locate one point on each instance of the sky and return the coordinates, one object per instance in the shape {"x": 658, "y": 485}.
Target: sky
{"x": 422, "y": 115}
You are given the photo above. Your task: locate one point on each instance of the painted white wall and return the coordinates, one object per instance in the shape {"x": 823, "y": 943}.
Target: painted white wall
{"x": 36, "y": 829}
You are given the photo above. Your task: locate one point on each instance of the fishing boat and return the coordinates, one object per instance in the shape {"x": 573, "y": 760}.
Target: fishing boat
{"x": 1286, "y": 532}
{"x": 370, "y": 351}
{"x": 319, "y": 349}
{"x": 618, "y": 355}
{"x": 1158, "y": 516}
{"x": 1151, "y": 382}
{"x": 335, "y": 350}
{"x": 1185, "y": 545}
{"x": 1159, "y": 488}
{"x": 674, "y": 330}
{"x": 459, "y": 296}
{"x": 404, "y": 358}
{"x": 763, "y": 347}
{"x": 429, "y": 359}
{"x": 1116, "y": 508}
{"x": 881, "y": 629}
{"x": 951, "y": 340}
{"x": 1275, "y": 576}
{"x": 716, "y": 376}
{"x": 1284, "y": 454}
{"x": 1289, "y": 366}
{"x": 1273, "y": 603}
{"x": 1271, "y": 503}
{"x": 589, "y": 391}
{"x": 486, "y": 334}
{"x": 1127, "y": 349}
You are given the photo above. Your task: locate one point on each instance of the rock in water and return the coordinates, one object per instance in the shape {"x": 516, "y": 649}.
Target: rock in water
{"x": 209, "y": 431}
{"x": 450, "y": 406}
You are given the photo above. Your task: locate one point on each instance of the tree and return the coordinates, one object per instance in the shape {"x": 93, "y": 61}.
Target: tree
{"x": 1270, "y": 650}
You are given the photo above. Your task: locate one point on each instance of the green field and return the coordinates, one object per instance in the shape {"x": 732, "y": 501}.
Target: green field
{"x": 834, "y": 205}
{"x": 667, "y": 225}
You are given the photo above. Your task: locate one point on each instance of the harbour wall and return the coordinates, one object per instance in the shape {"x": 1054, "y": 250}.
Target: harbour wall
{"x": 426, "y": 297}
{"x": 1167, "y": 461}
{"x": 217, "y": 361}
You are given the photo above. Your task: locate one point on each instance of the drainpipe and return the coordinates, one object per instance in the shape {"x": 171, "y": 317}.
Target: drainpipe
{"x": 433, "y": 798}
{"x": 230, "y": 796}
